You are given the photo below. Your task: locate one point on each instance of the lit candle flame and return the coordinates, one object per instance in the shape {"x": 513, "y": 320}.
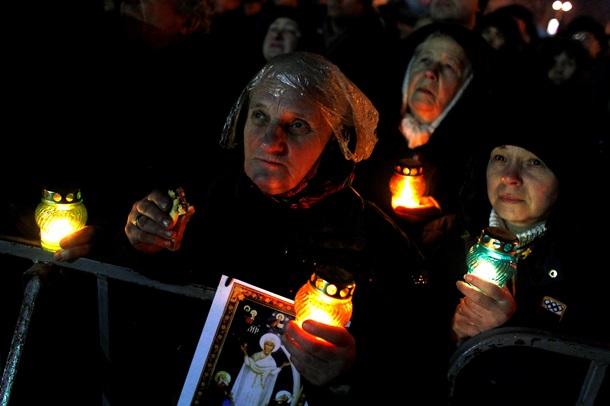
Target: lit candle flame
{"x": 485, "y": 270}
{"x": 405, "y": 195}
{"x": 320, "y": 315}
{"x": 57, "y": 229}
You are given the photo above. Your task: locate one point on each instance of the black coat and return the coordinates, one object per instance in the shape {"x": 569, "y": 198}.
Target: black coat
{"x": 564, "y": 266}
{"x": 238, "y": 231}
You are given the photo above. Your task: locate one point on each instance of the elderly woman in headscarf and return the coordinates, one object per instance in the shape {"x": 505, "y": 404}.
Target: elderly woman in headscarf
{"x": 444, "y": 113}
{"x": 284, "y": 208}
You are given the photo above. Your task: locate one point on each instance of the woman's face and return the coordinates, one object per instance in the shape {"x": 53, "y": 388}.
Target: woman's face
{"x": 284, "y": 135}
{"x": 282, "y": 37}
{"x": 269, "y": 346}
{"x": 520, "y": 187}
{"x": 439, "y": 69}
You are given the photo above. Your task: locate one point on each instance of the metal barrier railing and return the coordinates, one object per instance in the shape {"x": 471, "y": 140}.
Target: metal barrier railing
{"x": 43, "y": 262}
{"x": 502, "y": 337}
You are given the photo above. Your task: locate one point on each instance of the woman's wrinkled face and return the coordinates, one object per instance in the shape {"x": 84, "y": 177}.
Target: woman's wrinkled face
{"x": 284, "y": 135}
{"x": 439, "y": 69}
{"x": 520, "y": 187}
{"x": 282, "y": 37}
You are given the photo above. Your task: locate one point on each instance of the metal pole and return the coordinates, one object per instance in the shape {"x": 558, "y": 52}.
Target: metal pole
{"x": 21, "y": 330}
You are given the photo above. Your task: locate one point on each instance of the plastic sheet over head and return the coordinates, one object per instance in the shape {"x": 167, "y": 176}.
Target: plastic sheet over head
{"x": 348, "y": 111}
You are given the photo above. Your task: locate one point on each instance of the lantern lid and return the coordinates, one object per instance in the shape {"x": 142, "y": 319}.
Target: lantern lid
{"x": 499, "y": 239}
{"x": 409, "y": 166}
{"x": 65, "y": 195}
{"x": 333, "y": 281}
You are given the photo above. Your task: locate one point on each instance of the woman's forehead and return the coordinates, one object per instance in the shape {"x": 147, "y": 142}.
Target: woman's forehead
{"x": 514, "y": 150}
{"x": 285, "y": 99}
{"x": 442, "y": 44}
{"x": 284, "y": 22}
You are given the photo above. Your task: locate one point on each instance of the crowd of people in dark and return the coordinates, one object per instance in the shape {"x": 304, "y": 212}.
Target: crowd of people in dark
{"x": 283, "y": 122}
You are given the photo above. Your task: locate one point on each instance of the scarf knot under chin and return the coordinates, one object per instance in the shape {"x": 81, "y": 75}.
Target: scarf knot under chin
{"x": 416, "y": 133}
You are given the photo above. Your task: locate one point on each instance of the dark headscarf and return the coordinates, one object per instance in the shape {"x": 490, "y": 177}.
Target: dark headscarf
{"x": 546, "y": 140}
{"x": 584, "y": 23}
{"x": 557, "y": 142}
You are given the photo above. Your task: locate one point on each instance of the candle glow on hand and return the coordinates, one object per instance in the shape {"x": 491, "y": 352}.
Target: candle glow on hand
{"x": 485, "y": 270}
{"x": 56, "y": 230}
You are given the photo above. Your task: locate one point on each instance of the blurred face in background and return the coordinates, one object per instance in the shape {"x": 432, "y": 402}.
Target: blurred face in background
{"x": 459, "y": 11}
{"x": 154, "y": 23}
{"x": 493, "y": 36}
{"x": 282, "y": 37}
{"x": 440, "y": 67}
{"x": 563, "y": 68}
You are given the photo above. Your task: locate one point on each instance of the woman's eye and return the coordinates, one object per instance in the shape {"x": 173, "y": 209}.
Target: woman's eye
{"x": 299, "y": 128}
{"x": 258, "y": 116}
{"x": 424, "y": 61}
{"x": 451, "y": 68}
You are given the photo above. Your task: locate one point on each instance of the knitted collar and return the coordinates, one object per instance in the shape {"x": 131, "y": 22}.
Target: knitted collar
{"x": 526, "y": 237}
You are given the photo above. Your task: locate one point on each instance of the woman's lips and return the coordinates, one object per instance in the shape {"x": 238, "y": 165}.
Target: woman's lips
{"x": 510, "y": 199}
{"x": 424, "y": 90}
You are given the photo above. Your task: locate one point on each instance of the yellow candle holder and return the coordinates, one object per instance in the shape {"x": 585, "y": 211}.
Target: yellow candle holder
{"x": 326, "y": 297}
{"x": 59, "y": 214}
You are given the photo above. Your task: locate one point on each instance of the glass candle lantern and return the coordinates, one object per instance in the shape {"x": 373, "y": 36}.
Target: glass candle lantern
{"x": 494, "y": 256}
{"x": 58, "y": 214}
{"x": 407, "y": 184}
{"x": 326, "y": 297}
